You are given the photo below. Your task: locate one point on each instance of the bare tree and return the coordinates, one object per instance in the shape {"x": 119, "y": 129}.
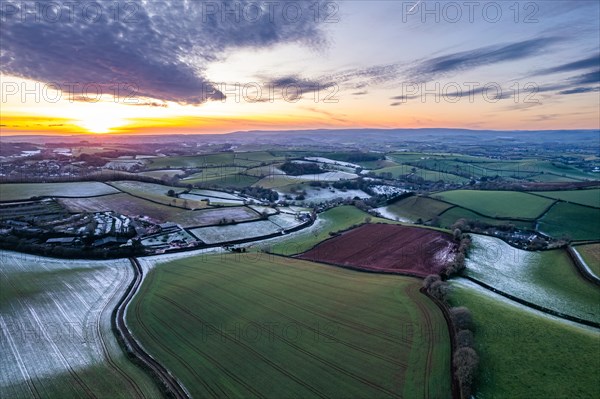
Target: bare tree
{"x": 464, "y": 339}
{"x": 466, "y": 362}
{"x": 439, "y": 290}
{"x": 429, "y": 280}
{"x": 462, "y": 318}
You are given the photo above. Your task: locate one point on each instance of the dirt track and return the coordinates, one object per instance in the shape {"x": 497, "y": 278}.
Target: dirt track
{"x": 172, "y": 386}
{"x": 387, "y": 248}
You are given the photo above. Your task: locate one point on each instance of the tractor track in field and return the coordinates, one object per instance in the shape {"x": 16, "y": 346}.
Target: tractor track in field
{"x": 106, "y": 351}
{"x": 62, "y": 359}
{"x": 427, "y": 318}
{"x": 213, "y": 361}
{"x": 348, "y": 323}
{"x": 171, "y": 384}
{"x": 319, "y": 332}
{"x": 307, "y": 353}
{"x": 281, "y": 369}
{"x": 186, "y": 365}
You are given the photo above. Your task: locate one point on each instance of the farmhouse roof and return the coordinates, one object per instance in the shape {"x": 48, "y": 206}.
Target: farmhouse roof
{"x": 61, "y": 240}
{"x": 109, "y": 240}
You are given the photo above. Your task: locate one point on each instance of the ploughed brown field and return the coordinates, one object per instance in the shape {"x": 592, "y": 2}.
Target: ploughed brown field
{"x": 387, "y": 248}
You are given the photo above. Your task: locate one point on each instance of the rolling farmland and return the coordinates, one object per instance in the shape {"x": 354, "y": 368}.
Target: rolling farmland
{"x": 23, "y": 191}
{"x": 528, "y": 354}
{"x": 583, "y": 197}
{"x": 502, "y": 204}
{"x": 242, "y": 325}
{"x": 332, "y": 220}
{"x": 575, "y": 221}
{"x": 547, "y": 278}
{"x": 388, "y": 248}
{"x": 417, "y": 207}
{"x": 56, "y": 333}
{"x": 450, "y": 216}
{"x": 591, "y": 255}
{"x": 235, "y": 232}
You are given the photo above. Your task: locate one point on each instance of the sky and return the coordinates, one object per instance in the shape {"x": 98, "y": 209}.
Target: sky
{"x": 191, "y": 67}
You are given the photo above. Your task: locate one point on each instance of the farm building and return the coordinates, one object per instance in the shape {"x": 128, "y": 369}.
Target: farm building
{"x": 108, "y": 241}
{"x": 63, "y": 241}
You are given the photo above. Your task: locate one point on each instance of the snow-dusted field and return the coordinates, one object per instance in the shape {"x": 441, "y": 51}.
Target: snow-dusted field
{"x": 327, "y": 176}
{"x": 216, "y": 194}
{"x": 391, "y": 215}
{"x": 261, "y": 209}
{"x": 233, "y": 232}
{"x": 285, "y": 221}
{"x": 333, "y": 162}
{"x": 212, "y": 200}
{"x": 55, "y": 329}
{"x": 545, "y": 278}
{"x": 326, "y": 194}
{"x": 20, "y": 191}
{"x": 462, "y": 282}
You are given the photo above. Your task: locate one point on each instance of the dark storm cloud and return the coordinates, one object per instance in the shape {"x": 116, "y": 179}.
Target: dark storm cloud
{"x": 159, "y": 48}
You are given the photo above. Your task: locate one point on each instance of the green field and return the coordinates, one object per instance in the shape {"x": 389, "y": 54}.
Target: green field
{"x": 448, "y": 218}
{"x": 235, "y": 181}
{"x": 264, "y": 171}
{"x": 574, "y": 221}
{"x": 55, "y": 330}
{"x": 591, "y": 255}
{"x": 24, "y": 191}
{"x": 428, "y": 175}
{"x": 278, "y": 181}
{"x": 177, "y": 162}
{"x": 584, "y": 197}
{"x": 547, "y": 278}
{"x": 256, "y": 325}
{"x": 416, "y": 207}
{"x": 504, "y": 204}
{"x": 223, "y": 159}
{"x": 525, "y": 354}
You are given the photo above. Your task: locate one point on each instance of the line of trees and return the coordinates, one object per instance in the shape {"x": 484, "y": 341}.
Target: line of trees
{"x": 465, "y": 360}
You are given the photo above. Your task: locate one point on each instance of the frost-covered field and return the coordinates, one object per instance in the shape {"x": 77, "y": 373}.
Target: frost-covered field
{"x": 261, "y": 209}
{"x": 55, "y": 329}
{"x": 326, "y": 194}
{"x": 141, "y": 188}
{"x": 545, "y": 278}
{"x": 216, "y": 194}
{"x": 233, "y": 232}
{"x": 285, "y": 221}
{"x": 385, "y": 212}
{"x": 333, "y": 162}
{"x": 212, "y": 200}
{"x": 327, "y": 176}
{"x": 20, "y": 191}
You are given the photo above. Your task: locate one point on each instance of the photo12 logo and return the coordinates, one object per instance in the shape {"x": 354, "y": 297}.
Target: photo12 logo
{"x": 70, "y": 11}
{"x": 247, "y": 12}
{"x": 53, "y": 92}
{"x": 470, "y": 11}
{"x": 260, "y": 92}
{"x": 454, "y": 92}
{"x": 289, "y": 12}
